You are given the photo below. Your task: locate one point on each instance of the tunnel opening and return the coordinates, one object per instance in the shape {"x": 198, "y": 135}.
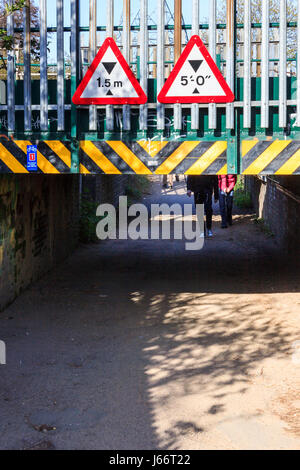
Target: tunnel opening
{"x": 141, "y": 343}
{"x": 260, "y": 247}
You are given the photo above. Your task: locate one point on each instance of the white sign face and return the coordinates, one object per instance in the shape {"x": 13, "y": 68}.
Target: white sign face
{"x": 195, "y": 78}
{"x": 109, "y": 80}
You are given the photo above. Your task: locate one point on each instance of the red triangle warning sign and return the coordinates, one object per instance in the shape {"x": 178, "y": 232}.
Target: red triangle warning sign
{"x": 109, "y": 80}
{"x": 195, "y": 78}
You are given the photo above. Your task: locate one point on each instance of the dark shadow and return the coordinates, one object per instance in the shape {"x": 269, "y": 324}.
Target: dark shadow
{"x": 100, "y": 345}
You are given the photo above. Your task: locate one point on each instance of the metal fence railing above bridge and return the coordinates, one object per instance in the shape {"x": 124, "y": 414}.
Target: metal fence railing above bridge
{"x": 254, "y": 43}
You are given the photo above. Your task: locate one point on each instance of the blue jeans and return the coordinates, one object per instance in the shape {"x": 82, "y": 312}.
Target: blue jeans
{"x": 226, "y": 203}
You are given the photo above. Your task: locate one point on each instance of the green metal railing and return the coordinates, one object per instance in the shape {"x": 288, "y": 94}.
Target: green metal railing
{"x": 266, "y": 107}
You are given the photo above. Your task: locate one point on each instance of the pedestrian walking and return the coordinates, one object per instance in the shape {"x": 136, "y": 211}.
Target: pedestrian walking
{"x": 226, "y": 189}
{"x": 168, "y": 181}
{"x": 204, "y": 187}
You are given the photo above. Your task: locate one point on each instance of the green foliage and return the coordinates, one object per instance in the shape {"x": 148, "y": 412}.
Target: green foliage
{"x": 7, "y": 41}
{"x": 263, "y": 226}
{"x": 15, "y": 6}
{"x": 240, "y": 184}
{"x": 242, "y": 198}
{"x": 88, "y": 219}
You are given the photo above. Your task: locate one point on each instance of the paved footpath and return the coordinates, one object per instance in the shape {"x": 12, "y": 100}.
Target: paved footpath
{"x": 143, "y": 345}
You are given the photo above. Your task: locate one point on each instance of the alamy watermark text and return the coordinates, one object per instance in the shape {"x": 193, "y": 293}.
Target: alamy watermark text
{"x": 138, "y": 222}
{"x": 2, "y": 353}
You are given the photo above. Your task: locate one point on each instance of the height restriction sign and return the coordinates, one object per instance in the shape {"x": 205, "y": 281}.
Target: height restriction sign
{"x": 195, "y": 78}
{"x": 109, "y": 80}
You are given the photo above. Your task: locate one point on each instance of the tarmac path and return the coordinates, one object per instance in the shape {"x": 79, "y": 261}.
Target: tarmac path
{"x": 144, "y": 345}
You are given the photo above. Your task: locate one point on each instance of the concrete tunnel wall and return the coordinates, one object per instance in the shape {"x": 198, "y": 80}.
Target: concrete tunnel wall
{"x": 39, "y": 223}
{"x": 278, "y": 203}
{"x": 38, "y": 227}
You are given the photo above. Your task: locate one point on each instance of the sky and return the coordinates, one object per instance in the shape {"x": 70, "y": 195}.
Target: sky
{"x": 135, "y": 6}
{"x": 118, "y": 7}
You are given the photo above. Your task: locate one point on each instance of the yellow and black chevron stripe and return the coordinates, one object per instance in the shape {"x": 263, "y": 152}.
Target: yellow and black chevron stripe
{"x": 279, "y": 157}
{"x": 153, "y": 157}
{"x": 53, "y": 157}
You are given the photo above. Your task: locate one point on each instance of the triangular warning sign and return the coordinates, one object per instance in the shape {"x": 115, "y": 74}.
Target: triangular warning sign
{"x": 109, "y": 80}
{"x": 195, "y": 78}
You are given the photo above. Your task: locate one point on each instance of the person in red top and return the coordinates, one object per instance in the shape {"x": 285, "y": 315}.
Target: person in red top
{"x": 226, "y": 191}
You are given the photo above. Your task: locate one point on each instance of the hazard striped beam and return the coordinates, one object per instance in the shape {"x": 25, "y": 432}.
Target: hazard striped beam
{"x": 53, "y": 157}
{"x": 279, "y": 157}
{"x": 153, "y": 157}
{"x": 145, "y": 157}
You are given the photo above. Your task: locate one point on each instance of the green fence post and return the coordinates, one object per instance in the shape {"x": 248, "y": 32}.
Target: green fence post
{"x": 75, "y": 63}
{"x": 232, "y": 134}
{"x": 232, "y": 153}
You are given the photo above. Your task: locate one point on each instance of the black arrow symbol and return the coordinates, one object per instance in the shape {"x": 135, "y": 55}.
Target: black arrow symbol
{"x": 195, "y": 64}
{"x": 196, "y": 92}
{"x": 109, "y": 66}
{"x": 109, "y": 93}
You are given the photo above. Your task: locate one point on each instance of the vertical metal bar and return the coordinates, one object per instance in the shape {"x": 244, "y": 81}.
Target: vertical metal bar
{"x": 298, "y": 66}
{"x": 177, "y": 53}
{"x": 265, "y": 65}
{"x": 109, "y": 33}
{"x": 27, "y": 71}
{"x": 276, "y": 52}
{"x": 230, "y": 60}
{"x": 254, "y": 56}
{"x": 75, "y": 43}
{"x": 154, "y": 70}
{"x": 247, "y": 65}
{"x": 212, "y": 113}
{"x": 258, "y": 54}
{"x": 282, "y": 66}
{"x": 43, "y": 66}
{"x": 92, "y": 54}
{"x": 10, "y": 77}
{"x": 195, "y": 30}
{"x": 144, "y": 54}
{"x": 60, "y": 67}
{"x": 161, "y": 61}
{"x": 177, "y": 28}
{"x": 241, "y": 53}
{"x": 126, "y": 53}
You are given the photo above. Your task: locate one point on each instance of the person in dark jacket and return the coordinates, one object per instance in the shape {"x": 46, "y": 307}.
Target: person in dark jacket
{"x": 226, "y": 187}
{"x": 203, "y": 187}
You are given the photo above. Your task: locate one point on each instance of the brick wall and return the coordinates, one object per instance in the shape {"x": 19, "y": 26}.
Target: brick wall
{"x": 279, "y": 205}
{"x": 38, "y": 227}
